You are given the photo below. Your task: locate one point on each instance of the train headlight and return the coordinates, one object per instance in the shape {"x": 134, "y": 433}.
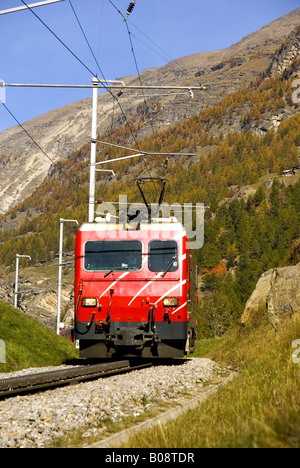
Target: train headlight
{"x": 171, "y": 302}
{"x": 89, "y": 302}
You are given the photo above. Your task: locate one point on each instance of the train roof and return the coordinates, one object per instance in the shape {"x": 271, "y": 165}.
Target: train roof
{"x": 159, "y": 224}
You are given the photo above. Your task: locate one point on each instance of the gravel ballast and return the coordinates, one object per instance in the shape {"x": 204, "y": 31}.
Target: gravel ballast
{"x": 35, "y": 420}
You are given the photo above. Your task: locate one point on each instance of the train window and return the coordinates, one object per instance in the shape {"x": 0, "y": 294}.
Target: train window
{"x": 113, "y": 255}
{"x": 163, "y": 256}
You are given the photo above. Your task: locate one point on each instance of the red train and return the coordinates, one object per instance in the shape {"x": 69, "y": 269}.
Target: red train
{"x": 132, "y": 291}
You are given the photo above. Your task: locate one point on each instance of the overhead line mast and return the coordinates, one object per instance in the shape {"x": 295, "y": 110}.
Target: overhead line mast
{"x": 96, "y": 84}
{"x": 26, "y": 7}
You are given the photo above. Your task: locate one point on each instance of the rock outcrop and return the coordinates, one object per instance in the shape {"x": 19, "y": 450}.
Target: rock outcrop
{"x": 41, "y": 302}
{"x": 286, "y": 55}
{"x": 278, "y": 293}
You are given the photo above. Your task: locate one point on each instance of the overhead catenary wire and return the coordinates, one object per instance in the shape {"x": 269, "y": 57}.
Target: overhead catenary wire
{"x": 142, "y": 32}
{"x": 138, "y": 72}
{"x": 91, "y": 72}
{"x": 91, "y": 50}
{"x": 85, "y": 37}
{"x": 85, "y": 66}
{"x": 156, "y": 45}
{"x": 43, "y": 151}
{"x": 143, "y": 92}
{"x": 101, "y": 72}
{"x": 119, "y": 85}
{"x": 139, "y": 76}
{"x": 113, "y": 96}
{"x": 79, "y": 60}
{"x": 142, "y": 154}
{"x": 132, "y": 156}
{"x": 146, "y": 152}
{"x": 60, "y": 40}
{"x": 167, "y": 56}
{"x": 116, "y": 8}
{"x": 151, "y": 48}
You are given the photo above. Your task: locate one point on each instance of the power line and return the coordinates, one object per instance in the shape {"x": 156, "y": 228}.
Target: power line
{"x": 131, "y": 6}
{"x": 147, "y": 152}
{"x": 93, "y": 74}
{"x": 90, "y": 48}
{"x": 42, "y": 150}
{"x": 97, "y": 62}
{"x": 147, "y": 37}
{"x": 151, "y": 40}
{"x": 150, "y": 48}
{"x": 129, "y": 10}
{"x": 62, "y": 42}
{"x": 83, "y": 64}
{"x": 116, "y": 8}
{"x": 86, "y": 39}
{"x": 138, "y": 72}
{"x": 145, "y": 101}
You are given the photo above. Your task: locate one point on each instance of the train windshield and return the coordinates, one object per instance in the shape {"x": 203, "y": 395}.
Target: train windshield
{"x": 163, "y": 256}
{"x": 113, "y": 255}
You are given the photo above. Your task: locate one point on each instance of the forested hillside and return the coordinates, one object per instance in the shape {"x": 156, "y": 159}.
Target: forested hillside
{"x": 250, "y": 238}
{"x": 249, "y": 231}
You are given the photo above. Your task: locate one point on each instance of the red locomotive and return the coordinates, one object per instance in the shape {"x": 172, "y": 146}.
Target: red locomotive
{"x": 132, "y": 290}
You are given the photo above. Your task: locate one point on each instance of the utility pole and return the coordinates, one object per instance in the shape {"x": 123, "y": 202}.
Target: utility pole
{"x": 17, "y": 278}
{"x": 60, "y": 265}
{"x": 95, "y": 83}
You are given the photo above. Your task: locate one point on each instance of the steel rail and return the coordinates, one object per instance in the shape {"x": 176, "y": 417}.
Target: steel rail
{"x": 45, "y": 380}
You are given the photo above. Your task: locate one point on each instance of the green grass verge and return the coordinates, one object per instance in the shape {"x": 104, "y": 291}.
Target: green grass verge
{"x": 259, "y": 408}
{"x": 28, "y": 343}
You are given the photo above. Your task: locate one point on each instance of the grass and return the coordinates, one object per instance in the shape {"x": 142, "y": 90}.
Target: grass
{"x": 204, "y": 347}
{"x": 259, "y": 408}
{"x": 28, "y": 343}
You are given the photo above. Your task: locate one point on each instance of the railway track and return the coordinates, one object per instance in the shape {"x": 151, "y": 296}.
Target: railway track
{"x": 45, "y": 380}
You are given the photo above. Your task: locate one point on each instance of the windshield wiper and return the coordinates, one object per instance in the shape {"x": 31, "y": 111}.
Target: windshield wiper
{"x": 168, "y": 267}
{"x": 115, "y": 269}
{"x": 125, "y": 268}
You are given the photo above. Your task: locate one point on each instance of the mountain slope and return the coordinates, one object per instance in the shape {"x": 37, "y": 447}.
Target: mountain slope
{"x": 254, "y": 211}
{"x": 64, "y": 130}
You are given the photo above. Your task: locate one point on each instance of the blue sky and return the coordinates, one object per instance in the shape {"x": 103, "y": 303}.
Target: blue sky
{"x": 163, "y": 30}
